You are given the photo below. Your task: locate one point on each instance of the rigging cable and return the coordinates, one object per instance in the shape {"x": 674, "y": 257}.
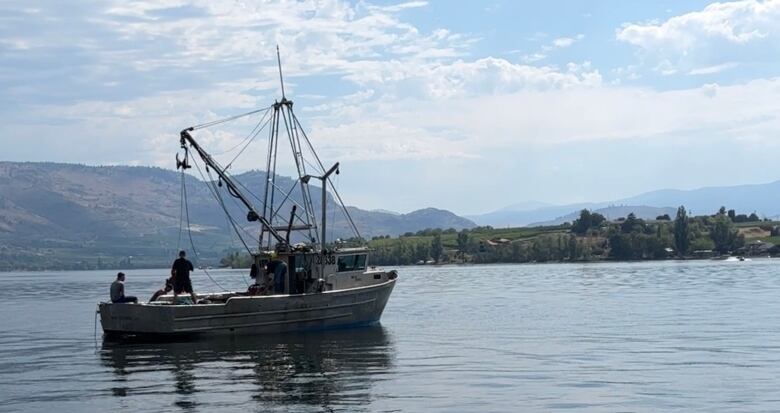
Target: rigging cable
{"x": 268, "y": 172}
{"x": 286, "y": 197}
{"x": 295, "y": 144}
{"x": 181, "y": 210}
{"x": 247, "y": 136}
{"x": 228, "y": 119}
{"x": 253, "y": 134}
{"x": 315, "y": 167}
{"x": 317, "y": 158}
{"x": 189, "y": 232}
{"x": 287, "y": 194}
{"x": 97, "y": 311}
{"x": 246, "y": 142}
{"x": 215, "y": 193}
{"x": 333, "y": 213}
{"x": 272, "y": 178}
{"x": 221, "y": 202}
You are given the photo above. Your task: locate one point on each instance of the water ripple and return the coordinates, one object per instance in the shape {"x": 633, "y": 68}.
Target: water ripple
{"x": 685, "y": 336}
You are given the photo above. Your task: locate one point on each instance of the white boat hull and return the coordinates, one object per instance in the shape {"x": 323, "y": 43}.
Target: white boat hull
{"x": 242, "y": 315}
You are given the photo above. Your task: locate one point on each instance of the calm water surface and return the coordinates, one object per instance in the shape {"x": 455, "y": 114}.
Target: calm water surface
{"x": 671, "y": 336}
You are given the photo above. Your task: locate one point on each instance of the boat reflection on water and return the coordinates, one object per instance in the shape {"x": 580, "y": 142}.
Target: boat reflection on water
{"x": 325, "y": 369}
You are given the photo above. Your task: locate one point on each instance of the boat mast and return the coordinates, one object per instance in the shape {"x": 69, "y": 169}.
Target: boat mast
{"x": 281, "y": 79}
{"x": 283, "y": 112}
{"x": 324, "y": 178}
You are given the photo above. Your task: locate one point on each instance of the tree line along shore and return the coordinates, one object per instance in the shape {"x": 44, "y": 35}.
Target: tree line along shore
{"x": 591, "y": 237}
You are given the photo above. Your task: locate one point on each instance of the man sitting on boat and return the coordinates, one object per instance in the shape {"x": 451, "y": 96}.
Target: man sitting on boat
{"x": 180, "y": 273}
{"x": 162, "y": 291}
{"x": 118, "y": 291}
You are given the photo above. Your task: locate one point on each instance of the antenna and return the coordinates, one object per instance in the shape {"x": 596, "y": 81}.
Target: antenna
{"x": 279, "y": 60}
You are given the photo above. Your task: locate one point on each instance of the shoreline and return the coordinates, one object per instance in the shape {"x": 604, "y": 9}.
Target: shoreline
{"x": 447, "y": 264}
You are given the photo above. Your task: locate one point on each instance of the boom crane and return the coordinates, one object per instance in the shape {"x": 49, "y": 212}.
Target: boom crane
{"x": 252, "y": 215}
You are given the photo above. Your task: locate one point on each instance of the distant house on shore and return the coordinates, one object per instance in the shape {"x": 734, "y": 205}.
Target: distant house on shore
{"x": 498, "y": 241}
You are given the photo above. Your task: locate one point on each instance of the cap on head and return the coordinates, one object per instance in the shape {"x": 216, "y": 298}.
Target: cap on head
{"x": 182, "y": 253}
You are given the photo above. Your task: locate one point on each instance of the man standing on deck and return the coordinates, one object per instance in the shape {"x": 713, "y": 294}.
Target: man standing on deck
{"x": 118, "y": 291}
{"x": 278, "y": 268}
{"x": 180, "y": 273}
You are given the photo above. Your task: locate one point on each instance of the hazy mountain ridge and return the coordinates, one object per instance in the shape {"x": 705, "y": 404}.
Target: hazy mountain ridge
{"x": 120, "y": 211}
{"x": 73, "y": 200}
{"x": 614, "y": 212}
{"x": 763, "y": 199}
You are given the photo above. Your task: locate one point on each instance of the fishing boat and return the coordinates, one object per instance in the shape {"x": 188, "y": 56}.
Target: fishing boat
{"x": 322, "y": 285}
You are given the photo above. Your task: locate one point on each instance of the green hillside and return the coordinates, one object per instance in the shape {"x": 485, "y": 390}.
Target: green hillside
{"x": 591, "y": 237}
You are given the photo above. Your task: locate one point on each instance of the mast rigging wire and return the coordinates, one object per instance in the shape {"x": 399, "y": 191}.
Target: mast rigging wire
{"x": 294, "y": 131}
{"x": 295, "y": 145}
{"x": 282, "y": 191}
{"x": 254, "y": 135}
{"x": 335, "y": 192}
{"x": 247, "y": 136}
{"x": 189, "y": 232}
{"x": 181, "y": 210}
{"x": 215, "y": 193}
{"x": 228, "y": 119}
{"x": 333, "y": 215}
{"x": 255, "y": 196}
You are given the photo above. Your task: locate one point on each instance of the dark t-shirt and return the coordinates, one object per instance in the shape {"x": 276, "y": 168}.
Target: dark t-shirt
{"x": 181, "y": 268}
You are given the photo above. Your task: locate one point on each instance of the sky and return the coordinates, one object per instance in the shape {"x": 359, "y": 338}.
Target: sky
{"x": 462, "y": 105}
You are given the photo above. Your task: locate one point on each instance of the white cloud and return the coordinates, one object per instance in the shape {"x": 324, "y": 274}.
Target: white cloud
{"x": 383, "y": 138}
{"x": 535, "y": 57}
{"x": 508, "y": 121}
{"x": 16, "y": 44}
{"x": 314, "y": 36}
{"x": 563, "y": 42}
{"x": 747, "y": 30}
{"x": 546, "y": 49}
{"x": 470, "y": 78}
{"x": 189, "y": 50}
{"x": 355, "y": 126}
{"x": 411, "y": 94}
{"x": 403, "y": 6}
{"x": 708, "y": 70}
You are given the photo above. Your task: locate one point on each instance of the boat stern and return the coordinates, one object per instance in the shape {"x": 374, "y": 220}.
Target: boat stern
{"x": 119, "y": 319}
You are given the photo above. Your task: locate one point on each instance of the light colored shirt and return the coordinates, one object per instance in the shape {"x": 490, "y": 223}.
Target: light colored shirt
{"x": 117, "y": 290}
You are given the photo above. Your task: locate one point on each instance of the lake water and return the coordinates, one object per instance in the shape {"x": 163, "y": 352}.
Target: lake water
{"x": 662, "y": 336}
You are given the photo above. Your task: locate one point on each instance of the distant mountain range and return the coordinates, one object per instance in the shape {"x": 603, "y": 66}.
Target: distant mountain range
{"x": 763, "y": 199}
{"x": 613, "y": 213}
{"x": 51, "y": 212}
{"x": 73, "y": 216}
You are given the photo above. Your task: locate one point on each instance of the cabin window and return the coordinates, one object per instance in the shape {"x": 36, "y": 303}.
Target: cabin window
{"x": 360, "y": 262}
{"x": 355, "y": 262}
{"x": 300, "y": 263}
